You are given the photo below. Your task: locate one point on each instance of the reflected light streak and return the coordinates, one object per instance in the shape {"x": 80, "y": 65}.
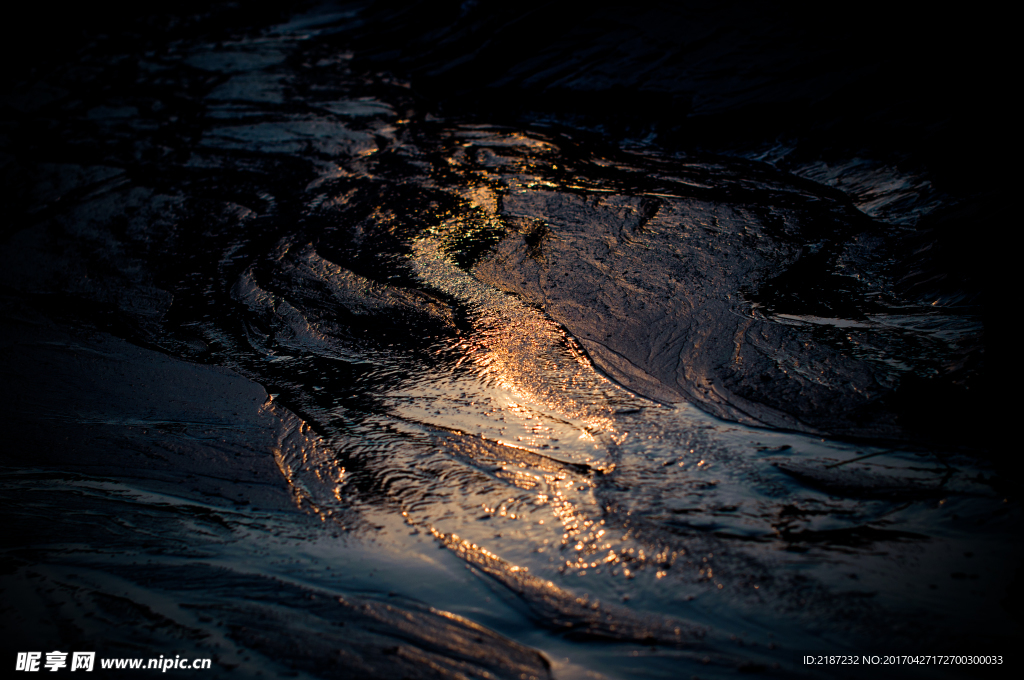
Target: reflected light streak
{"x": 518, "y": 350}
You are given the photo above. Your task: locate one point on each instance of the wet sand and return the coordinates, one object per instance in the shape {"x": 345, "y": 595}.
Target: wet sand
{"x": 133, "y": 484}
{"x": 318, "y": 362}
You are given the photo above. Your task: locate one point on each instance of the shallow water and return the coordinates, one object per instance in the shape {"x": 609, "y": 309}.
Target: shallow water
{"x": 471, "y": 390}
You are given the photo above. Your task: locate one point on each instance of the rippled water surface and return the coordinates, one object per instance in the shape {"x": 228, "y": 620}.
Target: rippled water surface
{"x": 309, "y": 377}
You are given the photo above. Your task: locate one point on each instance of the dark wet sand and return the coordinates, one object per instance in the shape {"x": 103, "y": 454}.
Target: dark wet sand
{"x": 127, "y": 477}
{"x": 491, "y": 295}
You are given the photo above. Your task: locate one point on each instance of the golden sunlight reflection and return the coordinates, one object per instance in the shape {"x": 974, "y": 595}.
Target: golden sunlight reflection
{"x": 309, "y": 466}
{"x": 546, "y": 383}
{"x": 533, "y": 394}
{"x": 580, "y": 612}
